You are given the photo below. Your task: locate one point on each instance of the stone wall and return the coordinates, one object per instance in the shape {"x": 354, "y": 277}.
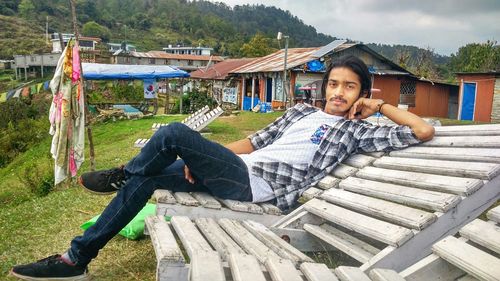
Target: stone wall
{"x": 495, "y": 108}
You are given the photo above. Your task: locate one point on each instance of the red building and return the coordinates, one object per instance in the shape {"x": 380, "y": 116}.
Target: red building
{"x": 479, "y": 98}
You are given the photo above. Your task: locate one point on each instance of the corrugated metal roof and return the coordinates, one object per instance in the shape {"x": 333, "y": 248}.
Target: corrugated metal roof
{"x": 220, "y": 70}
{"x": 274, "y": 62}
{"x": 163, "y": 55}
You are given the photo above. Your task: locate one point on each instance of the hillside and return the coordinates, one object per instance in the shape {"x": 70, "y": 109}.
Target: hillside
{"x": 153, "y": 24}
{"x": 17, "y": 36}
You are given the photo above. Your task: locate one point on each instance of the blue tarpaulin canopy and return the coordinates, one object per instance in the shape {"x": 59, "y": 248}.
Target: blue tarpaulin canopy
{"x": 97, "y": 71}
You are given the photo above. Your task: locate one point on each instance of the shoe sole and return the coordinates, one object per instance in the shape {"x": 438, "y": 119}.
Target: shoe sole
{"x": 80, "y": 182}
{"x": 83, "y": 277}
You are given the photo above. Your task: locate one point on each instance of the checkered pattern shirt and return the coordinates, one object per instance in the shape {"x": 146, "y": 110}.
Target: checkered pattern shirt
{"x": 343, "y": 139}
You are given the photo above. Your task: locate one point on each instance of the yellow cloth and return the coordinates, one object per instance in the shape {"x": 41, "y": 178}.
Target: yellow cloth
{"x": 3, "y": 97}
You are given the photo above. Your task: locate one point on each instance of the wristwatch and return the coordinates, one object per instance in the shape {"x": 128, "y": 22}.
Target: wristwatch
{"x": 379, "y": 106}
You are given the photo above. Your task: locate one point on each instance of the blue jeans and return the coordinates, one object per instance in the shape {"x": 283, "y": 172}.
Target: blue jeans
{"x": 215, "y": 169}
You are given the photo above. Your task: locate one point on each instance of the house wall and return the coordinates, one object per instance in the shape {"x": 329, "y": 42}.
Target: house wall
{"x": 485, "y": 85}
{"x": 431, "y": 100}
{"x": 495, "y": 110}
{"x": 389, "y": 89}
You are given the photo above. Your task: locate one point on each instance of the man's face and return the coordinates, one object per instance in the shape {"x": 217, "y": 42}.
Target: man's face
{"x": 342, "y": 90}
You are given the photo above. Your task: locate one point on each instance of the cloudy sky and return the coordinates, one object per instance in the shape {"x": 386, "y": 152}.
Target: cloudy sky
{"x": 444, "y": 25}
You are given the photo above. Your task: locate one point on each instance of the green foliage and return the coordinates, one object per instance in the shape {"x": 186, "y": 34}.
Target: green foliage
{"x": 18, "y": 37}
{"x": 38, "y": 178}
{"x": 26, "y": 9}
{"x": 94, "y": 29}
{"x": 476, "y": 57}
{"x": 108, "y": 92}
{"x": 193, "y": 101}
{"x": 22, "y": 125}
{"x": 258, "y": 46}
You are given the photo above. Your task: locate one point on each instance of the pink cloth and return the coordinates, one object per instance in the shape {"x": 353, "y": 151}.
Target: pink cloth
{"x": 76, "y": 65}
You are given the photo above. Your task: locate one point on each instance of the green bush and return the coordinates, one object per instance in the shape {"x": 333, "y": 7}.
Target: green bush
{"x": 193, "y": 101}
{"x": 39, "y": 180}
{"x": 116, "y": 93}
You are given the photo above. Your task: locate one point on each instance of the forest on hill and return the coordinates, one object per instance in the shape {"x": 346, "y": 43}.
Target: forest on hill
{"x": 242, "y": 30}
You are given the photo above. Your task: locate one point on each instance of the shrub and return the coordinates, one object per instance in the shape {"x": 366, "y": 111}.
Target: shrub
{"x": 39, "y": 180}
{"x": 193, "y": 101}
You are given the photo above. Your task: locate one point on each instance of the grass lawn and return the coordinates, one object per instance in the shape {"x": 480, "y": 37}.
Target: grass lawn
{"x": 34, "y": 227}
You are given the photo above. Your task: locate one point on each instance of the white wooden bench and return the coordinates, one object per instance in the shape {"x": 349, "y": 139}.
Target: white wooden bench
{"x": 389, "y": 214}
{"x": 475, "y": 255}
{"x": 197, "y": 122}
{"x": 195, "y": 205}
{"x": 225, "y": 249}
{"x": 188, "y": 120}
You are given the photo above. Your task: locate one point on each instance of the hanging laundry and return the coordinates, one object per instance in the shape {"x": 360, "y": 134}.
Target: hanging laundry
{"x": 33, "y": 89}
{"x": 38, "y": 87}
{"x": 17, "y": 94}
{"x": 3, "y": 97}
{"x": 46, "y": 85}
{"x": 10, "y": 94}
{"x": 66, "y": 116}
{"x": 26, "y": 92}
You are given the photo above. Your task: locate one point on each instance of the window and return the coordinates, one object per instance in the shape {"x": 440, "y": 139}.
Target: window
{"x": 190, "y": 62}
{"x": 407, "y": 93}
{"x": 152, "y": 61}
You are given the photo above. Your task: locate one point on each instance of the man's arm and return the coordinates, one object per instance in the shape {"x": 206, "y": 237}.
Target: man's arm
{"x": 366, "y": 107}
{"x": 243, "y": 146}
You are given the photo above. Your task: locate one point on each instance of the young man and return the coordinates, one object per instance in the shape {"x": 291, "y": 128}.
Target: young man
{"x": 275, "y": 164}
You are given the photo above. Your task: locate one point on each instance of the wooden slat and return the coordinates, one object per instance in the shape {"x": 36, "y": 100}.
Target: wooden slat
{"x": 282, "y": 270}
{"x": 185, "y": 198}
{"x": 206, "y": 200}
{"x": 343, "y": 171}
{"x": 270, "y": 209}
{"x": 206, "y": 266}
{"x": 242, "y": 206}
{"x": 494, "y": 214}
{"x": 191, "y": 238}
{"x": 274, "y": 242}
{"x": 352, "y": 246}
{"x": 426, "y": 199}
{"x": 164, "y": 196}
{"x": 359, "y": 160}
{"x": 328, "y": 182}
{"x": 455, "y": 185}
{"x": 380, "y": 274}
{"x": 396, "y": 213}
{"x": 163, "y": 239}
{"x": 468, "y": 154}
{"x": 170, "y": 261}
{"x": 245, "y": 268}
{"x": 246, "y": 240}
{"x": 317, "y": 272}
{"x": 468, "y": 130}
{"x": 346, "y": 273}
{"x": 217, "y": 237}
{"x": 373, "y": 228}
{"x": 468, "y": 258}
{"x": 464, "y": 141}
{"x": 311, "y": 193}
{"x": 431, "y": 267}
{"x": 482, "y": 233}
{"x": 485, "y": 171}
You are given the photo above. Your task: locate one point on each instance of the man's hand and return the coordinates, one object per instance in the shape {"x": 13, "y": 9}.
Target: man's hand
{"x": 187, "y": 175}
{"x": 364, "y": 108}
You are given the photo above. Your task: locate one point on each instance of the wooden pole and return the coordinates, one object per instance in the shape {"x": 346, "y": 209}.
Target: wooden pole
{"x": 87, "y": 122}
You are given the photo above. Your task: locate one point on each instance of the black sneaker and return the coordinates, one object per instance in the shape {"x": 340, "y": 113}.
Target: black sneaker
{"x": 50, "y": 268}
{"x": 103, "y": 182}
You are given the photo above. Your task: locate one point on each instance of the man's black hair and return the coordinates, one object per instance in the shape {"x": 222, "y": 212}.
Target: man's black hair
{"x": 357, "y": 66}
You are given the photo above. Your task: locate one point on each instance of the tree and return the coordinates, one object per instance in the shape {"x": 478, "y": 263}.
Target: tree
{"x": 476, "y": 57}
{"x": 92, "y": 28}
{"x": 26, "y": 8}
{"x": 258, "y": 46}
{"x": 425, "y": 67}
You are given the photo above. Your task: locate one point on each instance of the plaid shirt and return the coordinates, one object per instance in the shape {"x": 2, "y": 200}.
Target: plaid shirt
{"x": 343, "y": 139}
